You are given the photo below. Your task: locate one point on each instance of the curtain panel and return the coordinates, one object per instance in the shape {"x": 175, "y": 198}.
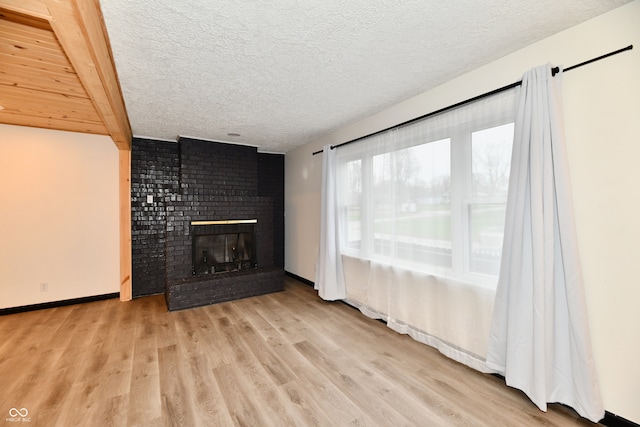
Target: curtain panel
{"x": 540, "y": 337}
{"x": 329, "y": 272}
{"x": 420, "y": 211}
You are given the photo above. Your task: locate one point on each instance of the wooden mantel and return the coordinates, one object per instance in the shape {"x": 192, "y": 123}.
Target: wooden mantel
{"x": 58, "y": 73}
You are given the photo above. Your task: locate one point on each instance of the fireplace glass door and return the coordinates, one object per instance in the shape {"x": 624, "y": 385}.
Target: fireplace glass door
{"x": 222, "y": 252}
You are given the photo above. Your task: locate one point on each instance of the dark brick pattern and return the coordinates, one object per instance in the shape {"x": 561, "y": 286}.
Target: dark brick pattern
{"x": 199, "y": 180}
{"x": 271, "y": 184}
{"x": 154, "y": 172}
{"x": 215, "y": 169}
{"x": 189, "y": 293}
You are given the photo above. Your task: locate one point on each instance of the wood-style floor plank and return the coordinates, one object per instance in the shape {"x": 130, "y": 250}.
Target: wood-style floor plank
{"x": 283, "y": 359}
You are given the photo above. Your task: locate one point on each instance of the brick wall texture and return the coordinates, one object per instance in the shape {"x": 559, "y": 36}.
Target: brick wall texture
{"x": 199, "y": 180}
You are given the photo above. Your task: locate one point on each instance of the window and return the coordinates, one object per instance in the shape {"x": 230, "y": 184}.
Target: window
{"x": 490, "y": 165}
{"x": 430, "y": 196}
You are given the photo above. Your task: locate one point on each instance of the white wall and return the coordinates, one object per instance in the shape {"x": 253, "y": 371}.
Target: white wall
{"x": 59, "y": 219}
{"x": 602, "y": 118}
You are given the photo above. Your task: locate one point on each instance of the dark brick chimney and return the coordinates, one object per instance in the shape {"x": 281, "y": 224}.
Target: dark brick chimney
{"x": 195, "y": 180}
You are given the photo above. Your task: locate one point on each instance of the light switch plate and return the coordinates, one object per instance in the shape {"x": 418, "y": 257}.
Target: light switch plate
{"x": 149, "y": 199}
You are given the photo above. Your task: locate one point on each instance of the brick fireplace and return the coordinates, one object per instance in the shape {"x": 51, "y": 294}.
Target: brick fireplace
{"x": 191, "y": 188}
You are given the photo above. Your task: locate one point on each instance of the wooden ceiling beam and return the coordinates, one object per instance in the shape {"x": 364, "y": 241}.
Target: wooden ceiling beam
{"x": 80, "y": 29}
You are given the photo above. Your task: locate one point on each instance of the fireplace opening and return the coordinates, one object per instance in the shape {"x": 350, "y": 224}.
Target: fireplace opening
{"x": 219, "y": 248}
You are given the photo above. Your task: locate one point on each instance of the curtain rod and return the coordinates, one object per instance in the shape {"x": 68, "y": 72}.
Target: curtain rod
{"x": 554, "y": 71}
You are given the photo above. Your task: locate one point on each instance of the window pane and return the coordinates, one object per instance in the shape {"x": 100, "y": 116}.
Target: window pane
{"x": 486, "y": 228}
{"x": 491, "y": 163}
{"x": 354, "y": 204}
{"x": 412, "y": 213}
{"x": 491, "y": 160}
{"x": 383, "y": 204}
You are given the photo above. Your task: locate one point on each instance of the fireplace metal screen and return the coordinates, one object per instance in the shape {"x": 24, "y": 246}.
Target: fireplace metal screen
{"x": 222, "y": 248}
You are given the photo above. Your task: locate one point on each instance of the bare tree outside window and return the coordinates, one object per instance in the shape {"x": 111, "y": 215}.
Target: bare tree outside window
{"x": 491, "y": 163}
{"x": 492, "y": 160}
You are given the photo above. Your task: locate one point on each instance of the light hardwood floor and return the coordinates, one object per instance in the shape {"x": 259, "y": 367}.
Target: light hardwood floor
{"x": 287, "y": 358}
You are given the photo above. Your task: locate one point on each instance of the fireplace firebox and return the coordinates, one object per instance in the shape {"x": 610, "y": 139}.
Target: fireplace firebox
{"x": 223, "y": 246}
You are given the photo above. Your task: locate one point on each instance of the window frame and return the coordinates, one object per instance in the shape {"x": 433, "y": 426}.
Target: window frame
{"x": 461, "y": 199}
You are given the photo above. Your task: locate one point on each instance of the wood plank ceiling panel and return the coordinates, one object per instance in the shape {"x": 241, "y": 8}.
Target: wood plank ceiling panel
{"x": 38, "y": 84}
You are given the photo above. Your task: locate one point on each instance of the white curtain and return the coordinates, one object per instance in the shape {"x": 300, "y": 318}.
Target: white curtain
{"x": 539, "y": 335}
{"x": 406, "y": 204}
{"x": 329, "y": 272}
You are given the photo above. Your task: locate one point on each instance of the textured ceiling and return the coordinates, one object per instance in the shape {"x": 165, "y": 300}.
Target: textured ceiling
{"x": 282, "y": 73}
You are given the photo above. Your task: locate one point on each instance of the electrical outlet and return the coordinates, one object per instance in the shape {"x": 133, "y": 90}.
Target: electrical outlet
{"x": 44, "y": 287}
